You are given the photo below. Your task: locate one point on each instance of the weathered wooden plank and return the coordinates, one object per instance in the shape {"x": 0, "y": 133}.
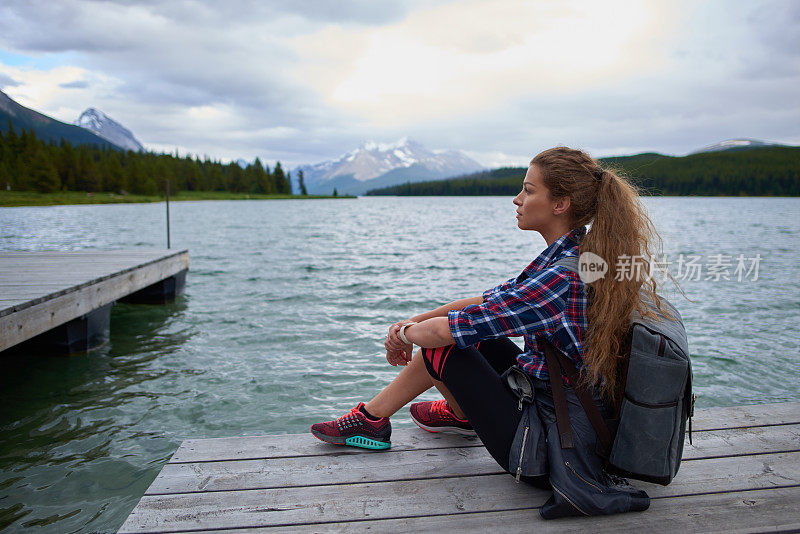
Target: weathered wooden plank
{"x": 411, "y": 464}
{"x": 386, "y": 500}
{"x": 49, "y": 282}
{"x": 289, "y": 445}
{"x": 772, "y": 510}
{"x": 56, "y": 276}
{"x": 35, "y": 293}
{"x": 70, "y": 253}
{"x": 57, "y": 268}
{"x": 22, "y": 322}
{"x": 297, "y": 506}
{"x": 741, "y": 441}
{"x": 24, "y": 271}
{"x": 16, "y": 270}
{"x": 746, "y": 416}
{"x": 328, "y": 469}
{"x": 293, "y": 445}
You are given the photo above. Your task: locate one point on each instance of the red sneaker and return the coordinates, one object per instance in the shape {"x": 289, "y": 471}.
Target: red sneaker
{"x": 436, "y": 416}
{"x": 356, "y": 429}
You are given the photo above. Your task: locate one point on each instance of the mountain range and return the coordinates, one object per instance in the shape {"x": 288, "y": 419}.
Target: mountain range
{"x": 374, "y": 165}
{"x": 370, "y": 166}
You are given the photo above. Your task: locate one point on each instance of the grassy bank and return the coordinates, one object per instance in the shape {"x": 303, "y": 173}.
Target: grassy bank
{"x": 31, "y": 198}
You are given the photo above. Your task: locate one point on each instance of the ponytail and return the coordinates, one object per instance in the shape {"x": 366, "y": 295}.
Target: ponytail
{"x": 621, "y": 234}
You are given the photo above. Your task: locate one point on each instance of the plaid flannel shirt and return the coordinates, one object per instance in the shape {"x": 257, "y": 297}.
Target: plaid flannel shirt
{"x": 542, "y": 302}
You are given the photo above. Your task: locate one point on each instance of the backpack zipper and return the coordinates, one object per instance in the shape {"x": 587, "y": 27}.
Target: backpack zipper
{"x": 569, "y": 500}
{"x": 522, "y": 454}
{"x": 580, "y": 477}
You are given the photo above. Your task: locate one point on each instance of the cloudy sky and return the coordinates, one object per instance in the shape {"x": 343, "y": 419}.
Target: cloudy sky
{"x": 304, "y": 81}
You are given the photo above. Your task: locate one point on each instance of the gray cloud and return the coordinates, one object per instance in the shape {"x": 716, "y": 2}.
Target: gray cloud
{"x": 776, "y": 48}
{"x": 359, "y": 12}
{"x": 77, "y": 84}
{"x": 660, "y": 112}
{"x": 7, "y": 81}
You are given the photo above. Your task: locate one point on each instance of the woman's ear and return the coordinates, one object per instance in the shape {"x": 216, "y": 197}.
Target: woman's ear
{"x": 561, "y": 205}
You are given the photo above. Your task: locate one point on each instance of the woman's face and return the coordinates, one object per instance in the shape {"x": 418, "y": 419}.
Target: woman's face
{"x": 534, "y": 206}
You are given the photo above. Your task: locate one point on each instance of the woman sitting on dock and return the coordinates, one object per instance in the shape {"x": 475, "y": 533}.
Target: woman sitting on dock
{"x": 465, "y": 345}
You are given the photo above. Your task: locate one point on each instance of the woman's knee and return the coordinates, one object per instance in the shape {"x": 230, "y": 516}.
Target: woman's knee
{"x": 427, "y": 358}
{"x": 435, "y": 359}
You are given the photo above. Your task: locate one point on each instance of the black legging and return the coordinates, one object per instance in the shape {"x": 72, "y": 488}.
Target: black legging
{"x": 473, "y": 377}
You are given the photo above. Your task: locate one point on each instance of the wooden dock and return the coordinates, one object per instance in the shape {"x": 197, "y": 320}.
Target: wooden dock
{"x": 40, "y": 291}
{"x": 742, "y": 474}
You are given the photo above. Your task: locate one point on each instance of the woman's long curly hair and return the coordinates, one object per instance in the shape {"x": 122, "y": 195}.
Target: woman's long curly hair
{"x": 622, "y": 234}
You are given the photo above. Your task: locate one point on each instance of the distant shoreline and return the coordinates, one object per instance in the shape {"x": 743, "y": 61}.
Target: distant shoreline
{"x": 19, "y": 199}
{"x": 9, "y": 199}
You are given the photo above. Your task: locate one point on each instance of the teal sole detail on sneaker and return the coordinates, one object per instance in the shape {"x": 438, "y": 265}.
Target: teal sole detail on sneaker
{"x": 366, "y": 443}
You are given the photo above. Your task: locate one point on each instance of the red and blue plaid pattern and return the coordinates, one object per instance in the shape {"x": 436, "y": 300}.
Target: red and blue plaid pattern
{"x": 542, "y": 302}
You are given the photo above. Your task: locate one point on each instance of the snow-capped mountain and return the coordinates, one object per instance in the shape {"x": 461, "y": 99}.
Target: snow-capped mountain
{"x": 735, "y": 144}
{"x": 46, "y": 128}
{"x": 374, "y": 165}
{"x": 98, "y": 122}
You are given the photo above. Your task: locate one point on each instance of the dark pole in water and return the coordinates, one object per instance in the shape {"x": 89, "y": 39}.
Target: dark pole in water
{"x": 167, "y": 213}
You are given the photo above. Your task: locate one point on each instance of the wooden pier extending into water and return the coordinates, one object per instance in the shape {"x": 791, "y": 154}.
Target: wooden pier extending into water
{"x": 742, "y": 474}
{"x": 42, "y": 291}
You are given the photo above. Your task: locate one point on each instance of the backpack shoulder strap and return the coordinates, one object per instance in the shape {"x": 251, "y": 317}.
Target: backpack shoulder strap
{"x": 559, "y": 398}
{"x": 556, "y": 362}
{"x": 569, "y": 262}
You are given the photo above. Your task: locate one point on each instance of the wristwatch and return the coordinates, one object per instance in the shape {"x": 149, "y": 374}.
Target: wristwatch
{"x": 402, "y": 333}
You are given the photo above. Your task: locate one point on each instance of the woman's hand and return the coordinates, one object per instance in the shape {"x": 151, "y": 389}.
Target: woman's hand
{"x": 397, "y": 352}
{"x": 393, "y": 341}
{"x": 399, "y": 357}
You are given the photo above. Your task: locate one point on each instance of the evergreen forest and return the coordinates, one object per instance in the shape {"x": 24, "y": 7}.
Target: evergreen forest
{"x": 28, "y": 163}
{"x": 769, "y": 171}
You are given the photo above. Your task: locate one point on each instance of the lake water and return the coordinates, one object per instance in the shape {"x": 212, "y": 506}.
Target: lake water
{"x": 283, "y": 319}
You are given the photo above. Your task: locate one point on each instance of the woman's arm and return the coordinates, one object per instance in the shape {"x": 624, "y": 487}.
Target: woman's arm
{"x": 434, "y": 332}
{"x": 398, "y": 353}
{"x": 441, "y": 311}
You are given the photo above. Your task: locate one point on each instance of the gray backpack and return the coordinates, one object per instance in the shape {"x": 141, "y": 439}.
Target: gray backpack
{"x": 644, "y": 438}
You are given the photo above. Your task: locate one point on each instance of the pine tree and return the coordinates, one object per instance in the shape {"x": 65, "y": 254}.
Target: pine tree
{"x": 88, "y": 178}
{"x": 114, "y": 174}
{"x": 259, "y": 178}
{"x": 302, "y": 183}
{"x": 6, "y": 157}
{"x": 235, "y": 178}
{"x": 216, "y": 178}
{"x": 68, "y": 166}
{"x": 279, "y": 179}
{"x": 43, "y": 174}
{"x": 140, "y": 182}
{"x": 335, "y": 192}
